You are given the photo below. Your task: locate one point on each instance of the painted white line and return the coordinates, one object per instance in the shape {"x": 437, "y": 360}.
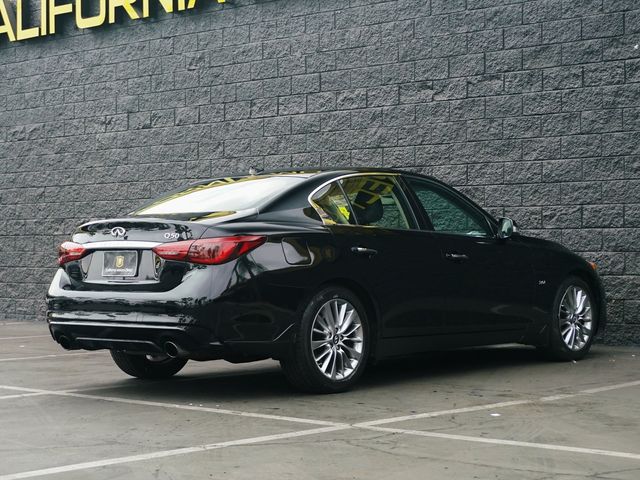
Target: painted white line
{"x": 486, "y": 406}
{"x": 513, "y": 443}
{"x": 25, "y": 336}
{"x": 331, "y": 427}
{"x": 606, "y": 388}
{"x": 491, "y": 406}
{"x": 131, "y": 385}
{"x": 560, "y": 396}
{"x": 169, "y": 453}
{"x": 39, "y": 357}
{"x": 222, "y": 411}
{"x": 201, "y": 409}
{"x": 24, "y": 389}
{"x": 21, "y": 395}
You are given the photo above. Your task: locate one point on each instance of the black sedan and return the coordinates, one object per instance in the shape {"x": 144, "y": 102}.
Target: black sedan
{"x": 324, "y": 271}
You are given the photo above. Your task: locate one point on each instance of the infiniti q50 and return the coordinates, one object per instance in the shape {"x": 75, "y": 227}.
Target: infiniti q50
{"x": 323, "y": 271}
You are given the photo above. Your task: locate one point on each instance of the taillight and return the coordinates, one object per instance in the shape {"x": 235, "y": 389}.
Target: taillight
{"x": 209, "y": 251}
{"x": 173, "y": 251}
{"x": 70, "y": 251}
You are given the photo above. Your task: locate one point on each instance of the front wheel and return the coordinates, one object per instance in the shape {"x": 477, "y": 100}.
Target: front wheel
{"x": 148, "y": 367}
{"x": 331, "y": 350}
{"x": 573, "y": 323}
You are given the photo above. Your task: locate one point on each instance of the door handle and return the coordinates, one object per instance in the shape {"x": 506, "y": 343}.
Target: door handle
{"x": 369, "y": 252}
{"x": 456, "y": 257}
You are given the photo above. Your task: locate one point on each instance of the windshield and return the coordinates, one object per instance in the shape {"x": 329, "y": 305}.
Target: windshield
{"x": 220, "y": 197}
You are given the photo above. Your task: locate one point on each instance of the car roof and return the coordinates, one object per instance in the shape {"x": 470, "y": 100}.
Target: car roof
{"x": 328, "y": 173}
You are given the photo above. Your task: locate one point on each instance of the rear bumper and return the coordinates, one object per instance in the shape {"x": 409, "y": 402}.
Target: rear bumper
{"x": 94, "y": 331}
{"x": 213, "y": 313}
{"x": 194, "y": 341}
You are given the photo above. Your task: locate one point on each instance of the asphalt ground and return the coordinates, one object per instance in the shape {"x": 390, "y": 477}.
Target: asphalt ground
{"x": 489, "y": 413}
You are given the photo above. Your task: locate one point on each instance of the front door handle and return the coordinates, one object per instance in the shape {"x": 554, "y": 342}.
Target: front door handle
{"x": 456, "y": 257}
{"x": 368, "y": 252}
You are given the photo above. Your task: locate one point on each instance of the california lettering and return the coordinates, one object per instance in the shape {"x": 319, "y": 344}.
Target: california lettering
{"x": 12, "y": 20}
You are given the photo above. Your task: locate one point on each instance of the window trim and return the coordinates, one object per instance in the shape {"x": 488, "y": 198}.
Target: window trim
{"x": 456, "y": 196}
{"x": 397, "y": 177}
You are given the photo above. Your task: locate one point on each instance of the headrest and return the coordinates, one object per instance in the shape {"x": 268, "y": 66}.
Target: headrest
{"x": 368, "y": 209}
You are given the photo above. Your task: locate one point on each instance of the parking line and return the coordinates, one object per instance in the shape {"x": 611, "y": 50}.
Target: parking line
{"x": 21, "y": 395}
{"x": 486, "y": 406}
{"x": 606, "y": 388}
{"x": 149, "y": 382}
{"x": 169, "y": 453}
{"x": 39, "y": 357}
{"x": 328, "y": 427}
{"x": 499, "y": 441}
{"x": 491, "y": 406}
{"x": 25, "y": 336}
{"x": 222, "y": 411}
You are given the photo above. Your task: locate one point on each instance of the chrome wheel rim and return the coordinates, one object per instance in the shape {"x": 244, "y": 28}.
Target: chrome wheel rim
{"x": 575, "y": 317}
{"x": 337, "y": 339}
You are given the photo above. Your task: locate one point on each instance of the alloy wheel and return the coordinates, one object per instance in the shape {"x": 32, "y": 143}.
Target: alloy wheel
{"x": 575, "y": 317}
{"x": 337, "y": 339}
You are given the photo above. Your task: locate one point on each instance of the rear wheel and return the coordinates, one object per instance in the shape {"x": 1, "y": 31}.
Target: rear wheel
{"x": 148, "y": 366}
{"x": 331, "y": 351}
{"x": 574, "y": 321}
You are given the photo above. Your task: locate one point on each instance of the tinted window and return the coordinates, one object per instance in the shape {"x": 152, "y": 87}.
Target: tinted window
{"x": 448, "y": 214}
{"x": 332, "y": 206}
{"x": 376, "y": 201}
{"x": 219, "y": 197}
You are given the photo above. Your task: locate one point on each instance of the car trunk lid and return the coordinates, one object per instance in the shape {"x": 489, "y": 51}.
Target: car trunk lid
{"x": 156, "y": 230}
{"x": 120, "y": 256}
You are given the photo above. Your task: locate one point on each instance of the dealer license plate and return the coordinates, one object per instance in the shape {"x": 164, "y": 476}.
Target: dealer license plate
{"x": 120, "y": 264}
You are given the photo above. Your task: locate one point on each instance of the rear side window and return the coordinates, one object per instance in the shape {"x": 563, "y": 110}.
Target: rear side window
{"x": 448, "y": 214}
{"x": 332, "y": 206}
{"x": 377, "y": 201}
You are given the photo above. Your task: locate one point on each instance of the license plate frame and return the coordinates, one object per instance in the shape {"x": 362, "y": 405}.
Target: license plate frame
{"x": 120, "y": 263}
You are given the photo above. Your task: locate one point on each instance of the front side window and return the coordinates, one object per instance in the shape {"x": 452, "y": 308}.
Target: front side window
{"x": 446, "y": 213}
{"x": 376, "y": 202}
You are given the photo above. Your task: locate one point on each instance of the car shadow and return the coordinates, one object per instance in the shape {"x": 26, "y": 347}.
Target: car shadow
{"x": 264, "y": 380}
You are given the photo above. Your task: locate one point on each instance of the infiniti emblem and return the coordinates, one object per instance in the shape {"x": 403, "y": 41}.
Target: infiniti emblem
{"x": 118, "y": 232}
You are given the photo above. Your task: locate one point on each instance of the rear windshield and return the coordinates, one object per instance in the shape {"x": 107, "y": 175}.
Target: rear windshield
{"x": 220, "y": 197}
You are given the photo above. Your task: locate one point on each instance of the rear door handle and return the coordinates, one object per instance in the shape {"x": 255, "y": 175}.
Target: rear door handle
{"x": 456, "y": 257}
{"x": 369, "y": 252}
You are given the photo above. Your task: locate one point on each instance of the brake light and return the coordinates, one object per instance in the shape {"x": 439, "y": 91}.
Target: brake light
{"x": 173, "y": 251}
{"x": 209, "y": 251}
{"x": 70, "y": 251}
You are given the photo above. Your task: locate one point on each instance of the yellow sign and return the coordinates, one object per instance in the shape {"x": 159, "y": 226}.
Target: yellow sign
{"x": 119, "y": 261}
{"x": 12, "y": 20}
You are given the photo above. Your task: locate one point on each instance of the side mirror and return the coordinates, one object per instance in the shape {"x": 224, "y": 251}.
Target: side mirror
{"x": 505, "y": 228}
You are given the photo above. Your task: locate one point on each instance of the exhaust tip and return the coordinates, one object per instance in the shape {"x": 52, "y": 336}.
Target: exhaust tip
{"x": 64, "y": 342}
{"x": 172, "y": 350}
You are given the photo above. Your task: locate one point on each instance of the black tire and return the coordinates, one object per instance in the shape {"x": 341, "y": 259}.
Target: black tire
{"x": 557, "y": 349}
{"x": 142, "y": 367}
{"x": 300, "y": 366}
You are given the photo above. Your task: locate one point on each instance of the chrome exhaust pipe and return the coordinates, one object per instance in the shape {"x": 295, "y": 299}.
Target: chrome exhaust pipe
{"x": 173, "y": 350}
